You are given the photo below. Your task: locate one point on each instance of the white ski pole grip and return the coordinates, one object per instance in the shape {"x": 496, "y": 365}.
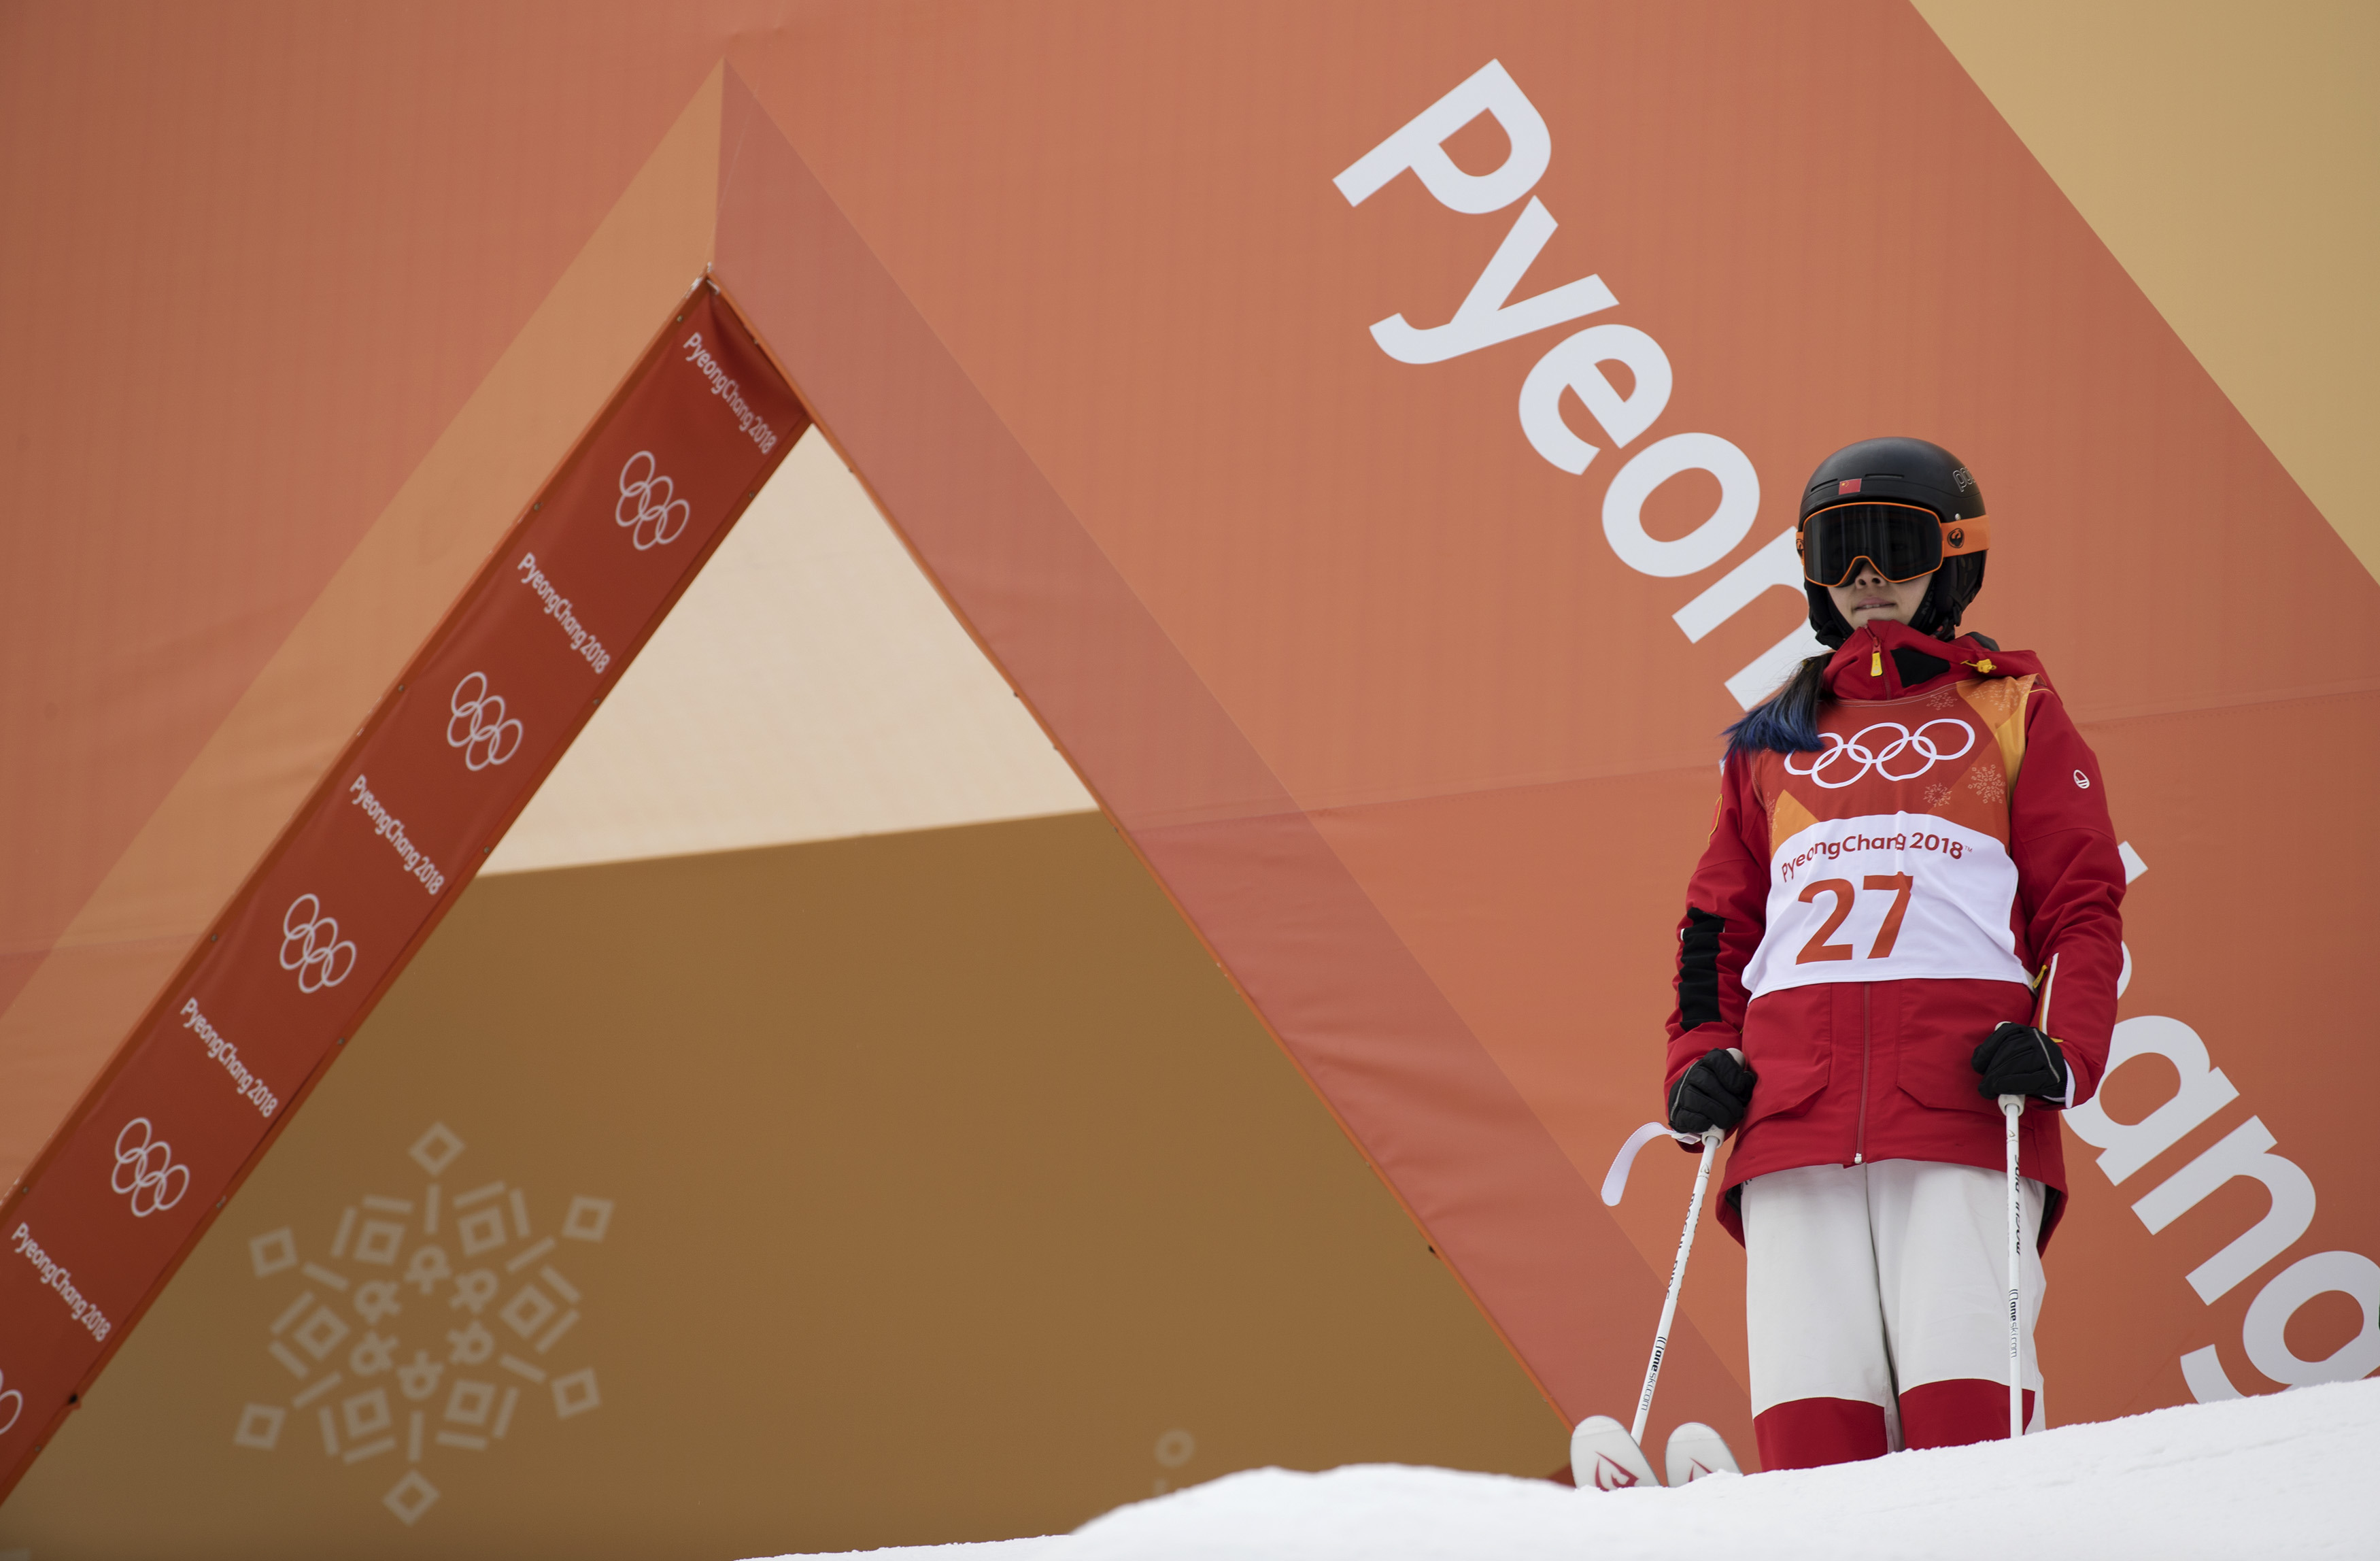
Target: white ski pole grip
{"x": 1677, "y": 1279}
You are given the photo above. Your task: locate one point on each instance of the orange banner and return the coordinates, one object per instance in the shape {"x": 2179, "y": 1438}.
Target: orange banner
{"x": 367, "y": 869}
{"x": 1372, "y": 449}
{"x": 1367, "y": 438}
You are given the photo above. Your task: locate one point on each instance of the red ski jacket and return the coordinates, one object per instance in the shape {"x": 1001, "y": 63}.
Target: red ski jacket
{"x": 1865, "y": 915}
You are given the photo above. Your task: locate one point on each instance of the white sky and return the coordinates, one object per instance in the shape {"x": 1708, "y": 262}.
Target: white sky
{"x": 809, "y": 684}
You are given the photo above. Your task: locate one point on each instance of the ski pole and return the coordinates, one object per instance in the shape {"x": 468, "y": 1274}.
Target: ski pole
{"x": 1677, "y": 1279}
{"x": 2013, "y": 1108}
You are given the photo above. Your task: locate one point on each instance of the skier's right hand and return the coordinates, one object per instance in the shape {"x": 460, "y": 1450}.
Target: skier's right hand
{"x": 1715, "y": 1092}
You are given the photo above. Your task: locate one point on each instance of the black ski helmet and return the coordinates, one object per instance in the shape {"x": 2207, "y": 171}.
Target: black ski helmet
{"x": 1903, "y": 471}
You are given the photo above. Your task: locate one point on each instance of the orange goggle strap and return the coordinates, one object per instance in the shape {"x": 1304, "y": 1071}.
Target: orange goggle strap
{"x": 1960, "y": 536}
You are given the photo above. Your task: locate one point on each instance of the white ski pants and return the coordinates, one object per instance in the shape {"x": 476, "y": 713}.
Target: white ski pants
{"x": 1877, "y": 1301}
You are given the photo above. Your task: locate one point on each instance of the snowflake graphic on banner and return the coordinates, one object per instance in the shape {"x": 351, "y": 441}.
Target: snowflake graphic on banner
{"x": 429, "y": 1331}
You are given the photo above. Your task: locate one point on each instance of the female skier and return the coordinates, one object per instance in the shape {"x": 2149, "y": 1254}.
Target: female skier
{"x": 1909, "y": 906}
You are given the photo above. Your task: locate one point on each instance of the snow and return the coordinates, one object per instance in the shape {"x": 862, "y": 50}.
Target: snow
{"x": 2297, "y": 1472}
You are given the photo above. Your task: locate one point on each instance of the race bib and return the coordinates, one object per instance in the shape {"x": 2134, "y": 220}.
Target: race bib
{"x": 1887, "y": 896}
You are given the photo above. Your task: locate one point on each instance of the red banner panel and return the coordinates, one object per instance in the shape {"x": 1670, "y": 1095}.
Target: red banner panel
{"x": 364, "y": 872}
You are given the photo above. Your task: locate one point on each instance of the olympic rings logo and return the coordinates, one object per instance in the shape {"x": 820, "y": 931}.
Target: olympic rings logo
{"x": 310, "y": 945}
{"x": 477, "y": 725}
{"x": 1880, "y": 759}
{"x": 12, "y": 1401}
{"x": 646, "y": 509}
{"x": 146, "y": 1170}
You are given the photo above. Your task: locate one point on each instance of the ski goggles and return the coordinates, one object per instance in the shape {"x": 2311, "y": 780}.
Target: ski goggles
{"x": 1902, "y": 541}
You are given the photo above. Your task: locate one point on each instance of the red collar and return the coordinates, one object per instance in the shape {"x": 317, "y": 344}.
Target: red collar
{"x": 1866, "y": 668}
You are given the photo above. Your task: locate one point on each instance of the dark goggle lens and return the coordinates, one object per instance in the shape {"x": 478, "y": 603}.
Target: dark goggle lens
{"x": 1902, "y": 540}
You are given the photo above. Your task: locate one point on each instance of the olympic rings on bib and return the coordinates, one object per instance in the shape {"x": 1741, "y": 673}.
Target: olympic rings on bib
{"x": 1844, "y": 752}
{"x": 13, "y": 1402}
{"x": 145, "y": 1168}
{"x": 477, "y": 725}
{"x": 654, "y": 519}
{"x": 310, "y": 945}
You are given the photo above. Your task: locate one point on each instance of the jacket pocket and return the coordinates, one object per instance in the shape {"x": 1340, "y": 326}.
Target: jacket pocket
{"x": 1936, "y": 1025}
{"x": 1789, "y": 1040}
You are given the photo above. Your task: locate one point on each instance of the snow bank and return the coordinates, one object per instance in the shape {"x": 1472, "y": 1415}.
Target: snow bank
{"x": 2295, "y": 1473}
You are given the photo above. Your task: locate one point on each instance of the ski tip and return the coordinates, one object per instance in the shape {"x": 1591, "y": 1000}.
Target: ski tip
{"x": 1697, "y": 1451}
{"x": 1603, "y": 1457}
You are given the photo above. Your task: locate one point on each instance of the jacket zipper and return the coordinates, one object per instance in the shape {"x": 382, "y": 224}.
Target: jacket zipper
{"x": 1859, "y": 1144}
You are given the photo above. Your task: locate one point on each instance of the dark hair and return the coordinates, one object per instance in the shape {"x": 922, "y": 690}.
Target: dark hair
{"x": 1787, "y": 721}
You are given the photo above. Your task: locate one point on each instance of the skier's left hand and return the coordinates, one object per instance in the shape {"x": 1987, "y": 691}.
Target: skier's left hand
{"x": 2016, "y": 1059}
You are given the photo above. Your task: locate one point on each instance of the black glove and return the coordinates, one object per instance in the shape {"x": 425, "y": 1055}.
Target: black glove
{"x": 2020, "y": 1060}
{"x": 1715, "y": 1092}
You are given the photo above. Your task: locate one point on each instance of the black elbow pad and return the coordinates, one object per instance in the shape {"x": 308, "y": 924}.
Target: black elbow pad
{"x": 1698, "y": 967}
